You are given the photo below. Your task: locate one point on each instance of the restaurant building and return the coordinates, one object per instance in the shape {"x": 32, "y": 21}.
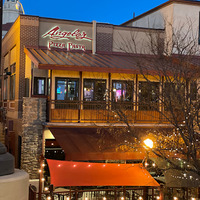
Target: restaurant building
{"x": 65, "y": 80}
{"x": 62, "y": 76}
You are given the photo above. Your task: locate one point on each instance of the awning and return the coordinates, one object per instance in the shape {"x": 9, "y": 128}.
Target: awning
{"x": 83, "y": 144}
{"x": 66, "y": 173}
{"x": 85, "y": 61}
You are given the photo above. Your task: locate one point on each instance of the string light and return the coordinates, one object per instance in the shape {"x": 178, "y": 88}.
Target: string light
{"x": 46, "y": 189}
{"x": 39, "y": 170}
{"x": 43, "y": 179}
{"x": 140, "y": 198}
{"x": 48, "y": 198}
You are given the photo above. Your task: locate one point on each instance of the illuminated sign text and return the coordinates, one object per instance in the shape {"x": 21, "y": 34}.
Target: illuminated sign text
{"x": 56, "y": 34}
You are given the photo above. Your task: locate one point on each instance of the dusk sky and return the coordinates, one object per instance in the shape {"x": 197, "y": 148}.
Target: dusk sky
{"x": 108, "y": 11}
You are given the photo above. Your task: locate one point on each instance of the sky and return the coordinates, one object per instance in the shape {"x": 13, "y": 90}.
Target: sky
{"x": 107, "y": 11}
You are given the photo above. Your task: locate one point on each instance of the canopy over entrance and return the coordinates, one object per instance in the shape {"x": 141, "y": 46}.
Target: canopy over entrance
{"x": 67, "y": 173}
{"x": 82, "y": 144}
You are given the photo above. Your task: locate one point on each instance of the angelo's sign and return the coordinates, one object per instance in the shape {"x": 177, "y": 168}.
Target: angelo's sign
{"x": 55, "y": 35}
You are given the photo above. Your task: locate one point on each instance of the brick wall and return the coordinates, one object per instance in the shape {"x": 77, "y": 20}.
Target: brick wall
{"x": 104, "y": 37}
{"x": 29, "y": 36}
{"x": 34, "y": 115}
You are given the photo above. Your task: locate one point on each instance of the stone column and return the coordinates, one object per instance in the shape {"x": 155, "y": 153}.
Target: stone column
{"x": 34, "y": 115}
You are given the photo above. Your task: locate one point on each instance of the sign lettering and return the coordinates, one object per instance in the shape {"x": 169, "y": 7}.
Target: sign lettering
{"x": 56, "y": 34}
{"x": 69, "y": 46}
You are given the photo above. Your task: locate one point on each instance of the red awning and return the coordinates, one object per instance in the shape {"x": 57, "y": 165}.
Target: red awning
{"x": 67, "y": 173}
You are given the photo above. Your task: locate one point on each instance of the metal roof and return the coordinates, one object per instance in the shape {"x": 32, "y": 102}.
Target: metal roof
{"x": 83, "y": 61}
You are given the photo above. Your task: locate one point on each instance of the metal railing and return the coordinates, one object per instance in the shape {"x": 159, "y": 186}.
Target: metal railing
{"x": 115, "y": 193}
{"x": 103, "y": 111}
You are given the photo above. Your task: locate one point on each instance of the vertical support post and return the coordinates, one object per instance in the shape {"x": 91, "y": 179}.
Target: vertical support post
{"x": 51, "y": 192}
{"x": 94, "y": 35}
{"x": 40, "y": 177}
{"x": 80, "y": 96}
{"x": 136, "y": 98}
{"x": 161, "y": 99}
{"x": 145, "y": 193}
{"x": 115, "y": 194}
{"x": 109, "y": 96}
{"x": 50, "y": 99}
{"x": 161, "y": 192}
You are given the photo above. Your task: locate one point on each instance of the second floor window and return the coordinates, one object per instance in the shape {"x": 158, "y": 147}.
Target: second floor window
{"x": 148, "y": 95}
{"x": 39, "y": 85}
{"x": 94, "y": 90}
{"x": 122, "y": 91}
{"x": 67, "y": 89}
{"x": 12, "y": 81}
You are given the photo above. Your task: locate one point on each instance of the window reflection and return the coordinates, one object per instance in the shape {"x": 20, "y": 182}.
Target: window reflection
{"x": 66, "y": 89}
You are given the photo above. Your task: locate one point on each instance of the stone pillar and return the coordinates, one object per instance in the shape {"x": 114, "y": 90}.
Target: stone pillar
{"x": 34, "y": 115}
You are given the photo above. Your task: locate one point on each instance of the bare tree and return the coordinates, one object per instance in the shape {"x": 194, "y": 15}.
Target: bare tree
{"x": 171, "y": 73}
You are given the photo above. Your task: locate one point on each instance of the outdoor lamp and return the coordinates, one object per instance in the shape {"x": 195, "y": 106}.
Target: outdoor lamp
{"x": 18, "y": 5}
{"x": 148, "y": 143}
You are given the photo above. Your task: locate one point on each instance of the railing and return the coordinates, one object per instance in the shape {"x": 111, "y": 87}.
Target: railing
{"x": 104, "y": 112}
{"x": 122, "y": 193}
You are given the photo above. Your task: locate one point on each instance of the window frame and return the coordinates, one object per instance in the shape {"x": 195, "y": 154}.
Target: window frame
{"x": 66, "y": 96}
{"x": 36, "y": 86}
{"x": 12, "y": 81}
{"x": 95, "y": 89}
{"x": 150, "y": 106}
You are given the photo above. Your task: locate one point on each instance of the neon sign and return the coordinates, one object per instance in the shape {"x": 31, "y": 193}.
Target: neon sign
{"x": 69, "y": 46}
{"x": 56, "y": 34}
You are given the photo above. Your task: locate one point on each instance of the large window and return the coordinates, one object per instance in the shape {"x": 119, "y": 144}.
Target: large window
{"x": 122, "y": 94}
{"x": 94, "y": 90}
{"x": 122, "y": 91}
{"x": 12, "y": 81}
{"x": 67, "y": 89}
{"x": 148, "y": 95}
{"x": 5, "y": 86}
{"x": 39, "y": 86}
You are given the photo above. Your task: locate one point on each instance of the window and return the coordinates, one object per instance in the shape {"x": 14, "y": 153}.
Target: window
{"x": 48, "y": 86}
{"x": 12, "y": 81}
{"x": 94, "y": 90}
{"x": 39, "y": 86}
{"x": 5, "y": 84}
{"x": 122, "y": 94}
{"x": 148, "y": 95}
{"x": 122, "y": 91}
{"x": 67, "y": 89}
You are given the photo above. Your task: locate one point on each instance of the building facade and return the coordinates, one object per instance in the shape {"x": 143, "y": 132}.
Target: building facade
{"x": 68, "y": 78}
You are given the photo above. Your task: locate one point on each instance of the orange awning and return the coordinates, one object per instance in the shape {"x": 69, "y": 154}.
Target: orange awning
{"x": 67, "y": 173}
